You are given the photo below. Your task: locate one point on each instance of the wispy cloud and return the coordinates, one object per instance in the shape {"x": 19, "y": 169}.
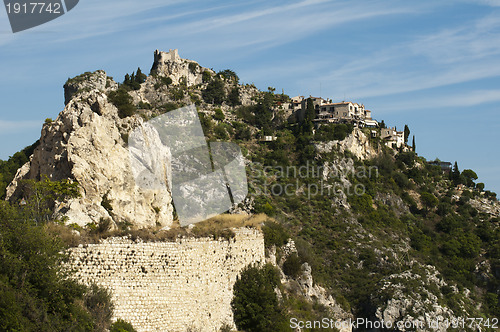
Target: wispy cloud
{"x": 450, "y": 56}
{"x": 491, "y": 3}
{"x": 9, "y": 127}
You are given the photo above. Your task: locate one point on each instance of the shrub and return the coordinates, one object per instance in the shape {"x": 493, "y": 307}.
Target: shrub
{"x": 206, "y": 76}
{"x": 428, "y": 199}
{"x": 220, "y": 132}
{"x": 143, "y": 105}
{"x": 292, "y": 265}
{"x": 122, "y": 101}
{"x": 255, "y": 305}
{"x": 106, "y": 203}
{"x": 192, "y": 67}
{"x": 341, "y": 131}
{"x": 274, "y": 234}
{"x": 122, "y": 326}
{"x": 219, "y": 115}
{"x": 177, "y": 93}
{"x": 98, "y": 302}
{"x": 325, "y": 132}
{"x": 166, "y": 80}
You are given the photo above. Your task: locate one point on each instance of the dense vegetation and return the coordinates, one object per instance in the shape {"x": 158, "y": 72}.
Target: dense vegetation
{"x": 36, "y": 292}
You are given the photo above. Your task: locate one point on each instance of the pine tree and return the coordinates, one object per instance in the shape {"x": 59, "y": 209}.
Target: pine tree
{"x": 414, "y": 147}
{"x": 139, "y": 76}
{"x": 455, "y": 174}
{"x": 126, "y": 81}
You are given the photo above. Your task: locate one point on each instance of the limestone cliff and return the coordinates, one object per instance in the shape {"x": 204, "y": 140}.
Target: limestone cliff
{"x": 357, "y": 143}
{"x": 87, "y": 143}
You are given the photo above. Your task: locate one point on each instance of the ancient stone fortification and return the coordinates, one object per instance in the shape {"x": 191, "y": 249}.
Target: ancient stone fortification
{"x": 170, "y": 64}
{"x": 170, "y": 286}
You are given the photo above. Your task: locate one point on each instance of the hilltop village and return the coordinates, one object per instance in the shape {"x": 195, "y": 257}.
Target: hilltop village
{"x": 345, "y": 112}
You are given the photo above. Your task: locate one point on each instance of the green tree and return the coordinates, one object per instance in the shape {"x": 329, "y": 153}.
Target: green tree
{"x": 233, "y": 97}
{"x": 406, "y": 133}
{"x": 214, "y": 92}
{"x": 413, "y": 146}
{"x": 469, "y": 176}
{"x": 455, "y": 175}
{"x": 255, "y": 305}
{"x": 9, "y": 167}
{"x": 292, "y": 265}
{"x": 140, "y": 77}
{"x": 40, "y": 196}
{"x": 429, "y": 200}
{"x": 36, "y": 293}
{"x": 228, "y": 74}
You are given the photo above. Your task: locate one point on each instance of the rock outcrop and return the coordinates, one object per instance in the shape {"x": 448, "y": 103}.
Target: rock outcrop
{"x": 86, "y": 82}
{"x": 411, "y": 301}
{"x": 357, "y": 143}
{"x": 88, "y": 144}
{"x": 169, "y": 64}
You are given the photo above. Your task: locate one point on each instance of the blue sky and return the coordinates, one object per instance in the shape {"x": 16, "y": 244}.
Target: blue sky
{"x": 434, "y": 66}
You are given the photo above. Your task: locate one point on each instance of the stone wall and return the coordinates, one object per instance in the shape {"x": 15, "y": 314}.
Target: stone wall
{"x": 170, "y": 286}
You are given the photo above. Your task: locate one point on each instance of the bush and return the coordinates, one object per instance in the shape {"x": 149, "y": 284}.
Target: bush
{"x": 429, "y": 200}
{"x": 98, "y": 302}
{"x": 255, "y": 305}
{"x": 123, "y": 101}
{"x": 292, "y": 265}
{"x": 341, "y": 131}
{"x": 206, "y": 76}
{"x": 220, "y": 132}
{"x": 192, "y": 67}
{"x": 122, "y": 326}
{"x": 274, "y": 234}
{"x": 219, "y": 115}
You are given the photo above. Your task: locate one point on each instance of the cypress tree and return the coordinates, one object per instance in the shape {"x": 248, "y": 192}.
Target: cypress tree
{"x": 407, "y": 133}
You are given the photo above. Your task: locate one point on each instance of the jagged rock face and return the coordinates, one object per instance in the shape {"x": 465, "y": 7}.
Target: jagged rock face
{"x": 394, "y": 202}
{"x": 414, "y": 308}
{"x": 169, "y": 64}
{"x": 486, "y": 206}
{"x": 357, "y": 143}
{"x": 86, "y": 82}
{"x": 86, "y": 143}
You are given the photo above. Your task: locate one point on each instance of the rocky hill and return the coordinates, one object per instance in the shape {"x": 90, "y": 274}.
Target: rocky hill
{"x": 376, "y": 233}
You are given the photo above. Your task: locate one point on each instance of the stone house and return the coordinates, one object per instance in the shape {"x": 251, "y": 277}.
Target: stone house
{"x": 346, "y": 112}
{"x": 392, "y": 137}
